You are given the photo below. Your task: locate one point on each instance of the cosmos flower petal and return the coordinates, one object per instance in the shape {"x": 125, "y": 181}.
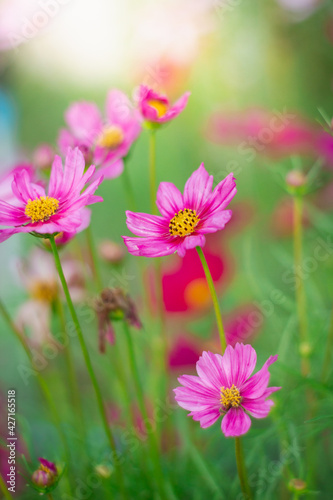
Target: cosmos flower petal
{"x": 259, "y": 408}
{"x": 198, "y": 189}
{"x": 169, "y": 199}
{"x": 148, "y": 247}
{"x": 209, "y": 369}
{"x": 56, "y": 177}
{"x": 84, "y": 120}
{"x": 145, "y": 225}
{"x": 176, "y": 108}
{"x": 235, "y": 423}
{"x": 119, "y": 109}
{"x": 189, "y": 242}
{"x": 206, "y": 417}
{"x": 111, "y": 169}
{"x": 216, "y": 222}
{"x": 255, "y": 386}
{"x": 243, "y": 362}
{"x": 65, "y": 140}
{"x": 24, "y": 189}
{"x": 221, "y": 196}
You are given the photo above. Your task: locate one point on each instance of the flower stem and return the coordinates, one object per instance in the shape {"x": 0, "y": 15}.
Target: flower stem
{"x": 50, "y": 496}
{"x": 90, "y": 369}
{"x": 300, "y": 290}
{"x": 43, "y": 385}
{"x": 93, "y": 259}
{"x": 139, "y": 393}
{"x": 73, "y": 384}
{"x": 129, "y": 189}
{"x": 4, "y": 489}
{"x": 152, "y": 170}
{"x": 214, "y": 298}
{"x": 242, "y": 470}
{"x": 328, "y": 353}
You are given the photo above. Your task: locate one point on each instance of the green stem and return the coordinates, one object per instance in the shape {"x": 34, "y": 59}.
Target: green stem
{"x": 128, "y": 188}
{"x": 73, "y": 383}
{"x": 43, "y": 385}
{"x": 328, "y": 353}
{"x": 89, "y": 366}
{"x": 242, "y": 470}
{"x": 152, "y": 171}
{"x": 214, "y": 298}
{"x": 50, "y": 496}
{"x": 4, "y": 489}
{"x": 94, "y": 260}
{"x": 140, "y": 396}
{"x": 300, "y": 290}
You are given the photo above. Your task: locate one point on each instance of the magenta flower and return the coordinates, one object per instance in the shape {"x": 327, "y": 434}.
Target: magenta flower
{"x": 185, "y": 218}
{"x": 6, "y": 180}
{"x": 224, "y": 386}
{"x": 104, "y": 143}
{"x": 58, "y": 211}
{"x": 155, "y": 107}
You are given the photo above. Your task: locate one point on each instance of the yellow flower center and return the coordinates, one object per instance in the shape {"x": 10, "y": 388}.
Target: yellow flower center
{"x": 183, "y": 223}
{"x": 230, "y": 397}
{"x": 111, "y": 137}
{"x": 41, "y": 209}
{"x": 44, "y": 291}
{"x": 160, "y": 107}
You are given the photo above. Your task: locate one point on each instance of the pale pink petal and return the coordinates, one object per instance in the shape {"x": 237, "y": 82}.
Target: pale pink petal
{"x": 146, "y": 225}
{"x": 209, "y": 369}
{"x": 149, "y": 247}
{"x": 255, "y": 386}
{"x": 176, "y": 109}
{"x": 206, "y": 417}
{"x": 56, "y": 177}
{"x": 66, "y": 140}
{"x": 259, "y": 408}
{"x": 169, "y": 199}
{"x": 189, "y": 242}
{"x": 243, "y": 363}
{"x": 111, "y": 170}
{"x": 215, "y": 222}
{"x": 221, "y": 197}
{"x": 235, "y": 423}
{"x": 198, "y": 189}
{"x": 85, "y": 121}
{"x": 119, "y": 109}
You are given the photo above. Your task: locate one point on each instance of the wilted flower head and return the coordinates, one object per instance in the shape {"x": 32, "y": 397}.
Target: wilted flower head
{"x": 55, "y": 212}
{"x": 155, "y": 107}
{"x": 185, "y": 218}
{"x": 114, "y": 304}
{"x": 104, "y": 143}
{"x": 224, "y": 386}
{"x": 45, "y": 475}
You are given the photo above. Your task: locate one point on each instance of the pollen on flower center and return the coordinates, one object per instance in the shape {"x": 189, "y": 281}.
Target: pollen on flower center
{"x": 183, "y": 223}
{"x": 111, "y": 137}
{"x": 44, "y": 291}
{"x": 230, "y": 397}
{"x": 160, "y": 107}
{"x": 41, "y": 209}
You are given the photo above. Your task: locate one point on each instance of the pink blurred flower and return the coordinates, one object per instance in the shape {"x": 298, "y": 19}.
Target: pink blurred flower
{"x": 224, "y": 386}
{"x": 155, "y": 107}
{"x": 40, "y": 280}
{"x": 185, "y": 288}
{"x": 184, "y": 353}
{"x": 59, "y": 210}
{"x": 43, "y": 156}
{"x": 103, "y": 143}
{"x": 46, "y": 474}
{"x": 185, "y": 218}
{"x": 6, "y": 192}
{"x": 242, "y": 324}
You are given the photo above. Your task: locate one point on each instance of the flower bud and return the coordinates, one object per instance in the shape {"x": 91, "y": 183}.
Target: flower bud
{"x": 111, "y": 252}
{"x": 296, "y": 179}
{"x": 43, "y": 156}
{"x": 297, "y": 484}
{"x": 103, "y": 470}
{"x": 45, "y": 475}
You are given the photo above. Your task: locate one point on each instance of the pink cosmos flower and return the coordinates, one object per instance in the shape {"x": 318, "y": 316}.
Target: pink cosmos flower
{"x": 224, "y": 386}
{"x": 105, "y": 143}
{"x": 185, "y": 218}
{"x": 155, "y": 107}
{"x": 55, "y": 212}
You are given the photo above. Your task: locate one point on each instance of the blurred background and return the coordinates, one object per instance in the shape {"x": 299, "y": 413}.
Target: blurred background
{"x": 260, "y": 76}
